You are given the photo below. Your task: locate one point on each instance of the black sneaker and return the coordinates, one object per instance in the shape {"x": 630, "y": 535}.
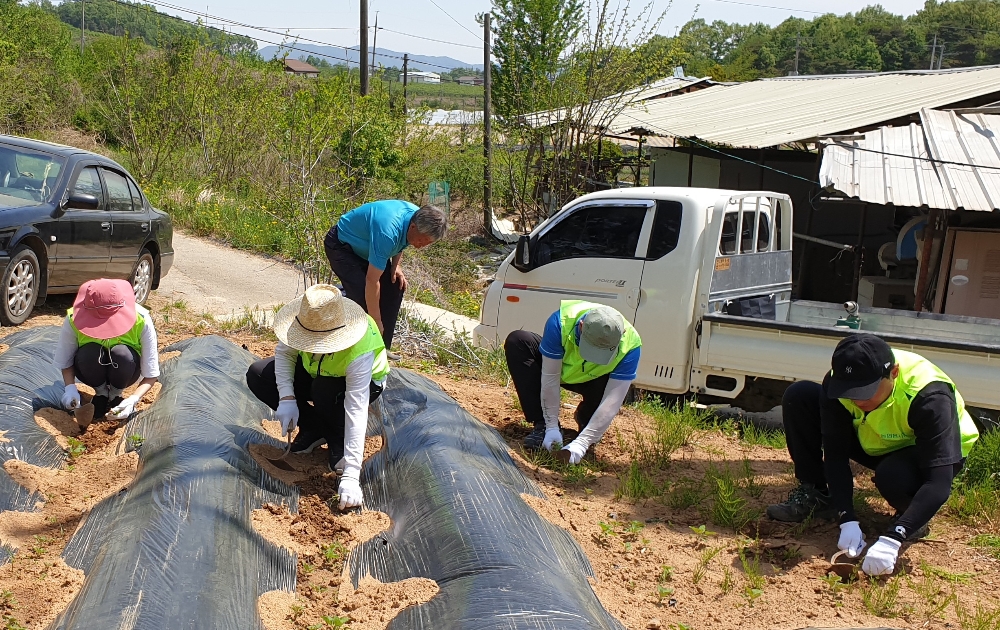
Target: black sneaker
{"x": 307, "y": 440}
{"x": 533, "y": 441}
{"x": 803, "y": 502}
{"x": 100, "y": 402}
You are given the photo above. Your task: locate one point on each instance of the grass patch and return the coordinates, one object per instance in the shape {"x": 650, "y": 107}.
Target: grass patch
{"x": 990, "y": 543}
{"x": 752, "y": 435}
{"x": 424, "y": 345}
{"x": 882, "y": 599}
{"x": 673, "y": 427}
{"x": 636, "y": 485}
{"x": 982, "y": 618}
{"x": 728, "y": 507}
{"x": 975, "y": 497}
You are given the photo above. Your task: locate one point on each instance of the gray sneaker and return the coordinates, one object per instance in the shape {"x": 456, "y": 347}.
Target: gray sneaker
{"x": 803, "y": 502}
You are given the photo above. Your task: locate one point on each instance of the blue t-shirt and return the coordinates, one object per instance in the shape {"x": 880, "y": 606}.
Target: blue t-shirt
{"x": 376, "y": 231}
{"x": 626, "y": 370}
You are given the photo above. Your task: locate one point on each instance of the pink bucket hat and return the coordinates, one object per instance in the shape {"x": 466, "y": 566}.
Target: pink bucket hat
{"x": 104, "y": 308}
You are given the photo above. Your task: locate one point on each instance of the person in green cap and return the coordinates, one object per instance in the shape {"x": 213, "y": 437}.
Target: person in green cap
{"x": 587, "y": 348}
{"x": 891, "y": 411}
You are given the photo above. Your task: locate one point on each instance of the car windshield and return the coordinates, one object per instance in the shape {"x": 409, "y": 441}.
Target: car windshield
{"x": 27, "y": 178}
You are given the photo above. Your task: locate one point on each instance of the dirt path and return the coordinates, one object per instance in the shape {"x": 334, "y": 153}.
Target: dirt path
{"x": 212, "y": 278}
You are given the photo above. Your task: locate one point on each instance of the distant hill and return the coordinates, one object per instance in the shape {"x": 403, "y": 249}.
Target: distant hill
{"x": 383, "y": 56}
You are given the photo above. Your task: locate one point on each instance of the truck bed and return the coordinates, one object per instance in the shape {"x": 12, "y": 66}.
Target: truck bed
{"x": 800, "y": 347}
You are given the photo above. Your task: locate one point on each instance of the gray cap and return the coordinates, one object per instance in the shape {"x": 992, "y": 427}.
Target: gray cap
{"x": 601, "y": 332}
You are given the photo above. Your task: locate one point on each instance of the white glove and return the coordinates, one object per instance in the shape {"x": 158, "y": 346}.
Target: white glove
{"x": 350, "y": 493}
{"x": 125, "y": 409}
{"x": 576, "y": 452}
{"x": 552, "y": 436}
{"x": 852, "y": 540}
{"x": 71, "y": 397}
{"x": 881, "y": 558}
{"x": 287, "y": 414}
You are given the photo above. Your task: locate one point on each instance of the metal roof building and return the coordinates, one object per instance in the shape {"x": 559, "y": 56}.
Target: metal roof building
{"x": 951, "y": 161}
{"x": 772, "y": 112}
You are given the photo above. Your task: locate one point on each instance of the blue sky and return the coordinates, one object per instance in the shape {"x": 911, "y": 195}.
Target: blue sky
{"x": 423, "y": 18}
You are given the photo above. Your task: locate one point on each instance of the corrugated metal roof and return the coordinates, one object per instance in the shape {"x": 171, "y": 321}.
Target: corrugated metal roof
{"x": 950, "y": 161}
{"x": 602, "y": 111}
{"x": 771, "y": 112}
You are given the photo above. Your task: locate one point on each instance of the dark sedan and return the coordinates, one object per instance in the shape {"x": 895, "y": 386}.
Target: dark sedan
{"x": 68, "y": 216}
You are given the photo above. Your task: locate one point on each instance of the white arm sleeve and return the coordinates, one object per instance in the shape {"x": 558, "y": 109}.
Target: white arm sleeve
{"x": 149, "y": 359}
{"x": 614, "y": 396}
{"x": 359, "y": 378}
{"x": 284, "y": 369}
{"x": 68, "y": 345}
{"x": 551, "y": 373}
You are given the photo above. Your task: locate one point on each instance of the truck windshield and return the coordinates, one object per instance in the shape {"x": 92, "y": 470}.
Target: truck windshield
{"x": 27, "y": 178}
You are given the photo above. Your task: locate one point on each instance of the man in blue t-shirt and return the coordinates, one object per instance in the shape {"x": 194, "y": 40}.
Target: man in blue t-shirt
{"x": 365, "y": 247}
{"x": 587, "y": 348}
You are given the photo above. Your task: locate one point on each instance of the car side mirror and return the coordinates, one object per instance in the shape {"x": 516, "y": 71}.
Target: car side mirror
{"x": 522, "y": 254}
{"x": 82, "y": 201}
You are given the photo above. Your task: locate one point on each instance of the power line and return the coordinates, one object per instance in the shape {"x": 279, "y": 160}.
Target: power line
{"x": 476, "y": 35}
{"x": 844, "y": 145}
{"x": 430, "y": 39}
{"x": 767, "y": 6}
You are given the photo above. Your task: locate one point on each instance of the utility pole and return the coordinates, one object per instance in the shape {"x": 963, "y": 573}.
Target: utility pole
{"x": 933, "y": 51}
{"x": 406, "y": 63}
{"x": 374, "y": 43}
{"x": 364, "y": 47}
{"x": 487, "y": 132}
{"x": 941, "y": 55}
{"x": 83, "y": 23}
{"x": 795, "y": 72}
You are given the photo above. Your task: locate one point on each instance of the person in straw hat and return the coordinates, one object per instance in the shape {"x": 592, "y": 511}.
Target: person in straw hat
{"x": 108, "y": 342}
{"x": 330, "y": 353}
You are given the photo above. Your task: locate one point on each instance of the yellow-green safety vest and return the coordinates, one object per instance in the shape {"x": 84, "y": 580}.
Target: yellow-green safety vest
{"x": 574, "y": 368}
{"x": 887, "y": 428}
{"x": 132, "y": 339}
{"x": 335, "y": 364}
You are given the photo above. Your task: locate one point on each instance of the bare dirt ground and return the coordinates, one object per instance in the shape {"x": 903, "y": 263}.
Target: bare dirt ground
{"x": 655, "y": 564}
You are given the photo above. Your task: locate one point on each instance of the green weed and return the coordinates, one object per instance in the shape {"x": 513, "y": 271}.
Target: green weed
{"x": 834, "y": 584}
{"x": 751, "y": 567}
{"x": 684, "y": 494}
{"x": 704, "y": 560}
{"x": 755, "y": 436}
{"x": 749, "y": 481}
{"x": 983, "y": 618}
{"x": 728, "y": 508}
{"x": 666, "y": 573}
{"x": 702, "y": 532}
{"x": 932, "y": 603}
{"x": 881, "y": 599}
{"x": 308, "y": 568}
{"x": 752, "y": 594}
{"x": 954, "y": 578}
{"x": 662, "y": 593}
{"x": 330, "y": 622}
{"x": 635, "y": 484}
{"x": 333, "y": 552}
{"x": 990, "y": 543}
{"x": 673, "y": 427}
{"x": 10, "y": 623}
{"x": 727, "y": 583}
{"x": 136, "y": 441}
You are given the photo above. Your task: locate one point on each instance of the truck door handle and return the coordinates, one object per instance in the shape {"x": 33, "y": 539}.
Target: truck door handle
{"x": 145, "y": 227}
{"x": 105, "y": 225}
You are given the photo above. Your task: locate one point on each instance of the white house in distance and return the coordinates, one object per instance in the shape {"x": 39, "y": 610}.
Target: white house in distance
{"x": 423, "y": 77}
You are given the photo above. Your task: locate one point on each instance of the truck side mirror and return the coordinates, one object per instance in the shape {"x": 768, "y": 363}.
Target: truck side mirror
{"x": 522, "y": 255}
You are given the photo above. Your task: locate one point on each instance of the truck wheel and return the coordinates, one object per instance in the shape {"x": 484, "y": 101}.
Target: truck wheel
{"x": 19, "y": 287}
{"x": 142, "y": 277}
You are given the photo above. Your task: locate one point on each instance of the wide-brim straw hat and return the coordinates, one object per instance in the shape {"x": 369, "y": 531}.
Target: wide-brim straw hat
{"x": 321, "y": 321}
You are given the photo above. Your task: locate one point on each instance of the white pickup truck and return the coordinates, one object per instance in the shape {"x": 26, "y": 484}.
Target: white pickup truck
{"x": 705, "y": 276}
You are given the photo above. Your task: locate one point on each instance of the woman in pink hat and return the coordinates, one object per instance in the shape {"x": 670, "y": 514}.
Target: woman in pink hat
{"x": 108, "y": 342}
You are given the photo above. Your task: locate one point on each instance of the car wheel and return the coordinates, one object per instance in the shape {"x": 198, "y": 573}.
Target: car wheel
{"x": 19, "y": 287}
{"x": 142, "y": 277}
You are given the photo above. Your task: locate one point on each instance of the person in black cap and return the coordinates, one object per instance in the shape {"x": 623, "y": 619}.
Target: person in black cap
{"x": 891, "y": 411}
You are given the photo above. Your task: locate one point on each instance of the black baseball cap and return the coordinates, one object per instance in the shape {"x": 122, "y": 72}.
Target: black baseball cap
{"x": 860, "y": 362}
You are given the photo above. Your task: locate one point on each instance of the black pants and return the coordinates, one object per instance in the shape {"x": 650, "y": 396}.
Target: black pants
{"x": 95, "y": 365}
{"x": 325, "y": 416}
{"x": 353, "y": 271}
{"x": 898, "y": 475}
{"x": 524, "y": 360}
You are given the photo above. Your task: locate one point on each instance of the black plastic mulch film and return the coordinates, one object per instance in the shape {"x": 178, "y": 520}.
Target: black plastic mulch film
{"x": 177, "y": 548}
{"x": 453, "y": 493}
